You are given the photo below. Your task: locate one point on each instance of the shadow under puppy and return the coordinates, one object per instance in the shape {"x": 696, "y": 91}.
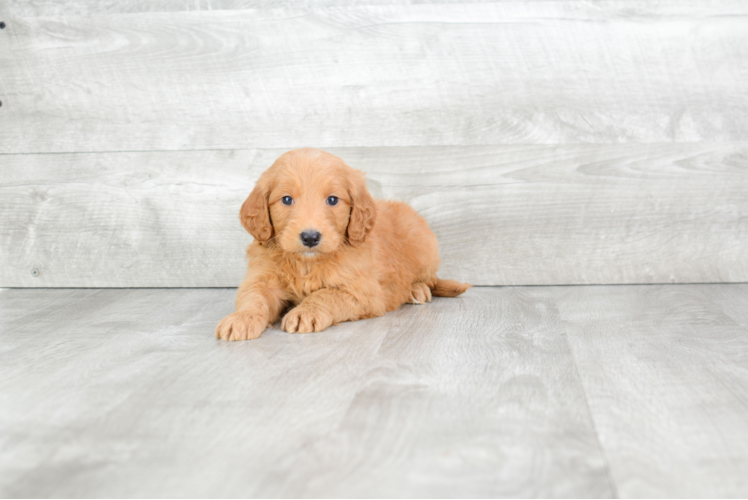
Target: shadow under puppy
{"x": 326, "y": 249}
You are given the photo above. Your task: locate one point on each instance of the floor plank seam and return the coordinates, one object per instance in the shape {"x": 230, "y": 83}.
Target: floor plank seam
{"x": 608, "y": 471}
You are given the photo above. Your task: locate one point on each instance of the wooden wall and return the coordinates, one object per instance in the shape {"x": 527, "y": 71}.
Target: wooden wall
{"x": 546, "y": 142}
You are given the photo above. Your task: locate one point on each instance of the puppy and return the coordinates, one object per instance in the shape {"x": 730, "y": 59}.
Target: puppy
{"x": 328, "y": 251}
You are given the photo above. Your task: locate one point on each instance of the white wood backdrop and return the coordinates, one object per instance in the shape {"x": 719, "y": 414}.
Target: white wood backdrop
{"x": 561, "y": 142}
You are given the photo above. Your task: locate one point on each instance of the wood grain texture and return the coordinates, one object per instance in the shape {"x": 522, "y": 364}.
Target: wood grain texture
{"x": 665, "y": 370}
{"x": 732, "y": 300}
{"x": 503, "y": 214}
{"x": 383, "y": 75}
{"x": 45, "y": 8}
{"x": 131, "y": 396}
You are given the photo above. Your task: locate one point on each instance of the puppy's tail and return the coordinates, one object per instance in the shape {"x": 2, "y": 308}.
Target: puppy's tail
{"x": 449, "y": 288}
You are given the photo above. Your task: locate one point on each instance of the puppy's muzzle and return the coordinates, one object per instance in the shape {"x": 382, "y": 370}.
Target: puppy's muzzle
{"x": 310, "y": 238}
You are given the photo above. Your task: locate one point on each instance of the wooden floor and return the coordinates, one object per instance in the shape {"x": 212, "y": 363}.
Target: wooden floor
{"x": 590, "y": 391}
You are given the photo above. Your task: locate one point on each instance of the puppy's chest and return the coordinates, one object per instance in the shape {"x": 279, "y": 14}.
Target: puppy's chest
{"x": 305, "y": 280}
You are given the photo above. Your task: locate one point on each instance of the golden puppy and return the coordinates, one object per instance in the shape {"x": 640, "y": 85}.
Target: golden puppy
{"x": 324, "y": 247}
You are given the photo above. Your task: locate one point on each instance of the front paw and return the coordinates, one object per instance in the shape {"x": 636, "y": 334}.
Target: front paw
{"x": 241, "y": 326}
{"x": 303, "y": 319}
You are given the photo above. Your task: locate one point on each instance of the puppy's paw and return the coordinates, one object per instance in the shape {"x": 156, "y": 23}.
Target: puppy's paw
{"x": 241, "y": 326}
{"x": 420, "y": 293}
{"x": 303, "y": 319}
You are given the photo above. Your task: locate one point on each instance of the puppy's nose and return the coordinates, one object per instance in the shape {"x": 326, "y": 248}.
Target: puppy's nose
{"x": 310, "y": 238}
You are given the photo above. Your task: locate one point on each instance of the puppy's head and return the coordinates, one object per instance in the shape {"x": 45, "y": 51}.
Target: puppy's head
{"x": 311, "y": 203}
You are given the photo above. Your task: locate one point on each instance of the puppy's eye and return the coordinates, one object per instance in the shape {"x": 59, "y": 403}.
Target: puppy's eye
{"x": 287, "y": 200}
{"x": 332, "y": 200}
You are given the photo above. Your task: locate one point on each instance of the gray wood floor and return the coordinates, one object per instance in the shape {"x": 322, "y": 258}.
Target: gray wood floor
{"x": 590, "y": 391}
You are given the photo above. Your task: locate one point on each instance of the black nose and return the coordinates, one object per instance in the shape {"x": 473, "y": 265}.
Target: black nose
{"x": 310, "y": 238}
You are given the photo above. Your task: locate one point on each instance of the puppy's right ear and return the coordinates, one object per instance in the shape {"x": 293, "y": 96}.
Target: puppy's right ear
{"x": 254, "y": 214}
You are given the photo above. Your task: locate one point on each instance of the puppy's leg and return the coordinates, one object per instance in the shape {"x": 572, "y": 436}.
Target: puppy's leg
{"x": 259, "y": 303}
{"x": 330, "y": 306}
{"x": 420, "y": 293}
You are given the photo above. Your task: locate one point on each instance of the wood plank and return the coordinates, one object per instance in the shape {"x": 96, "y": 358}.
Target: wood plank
{"x": 126, "y": 219}
{"x": 75, "y": 367}
{"x": 19, "y": 307}
{"x": 470, "y": 397}
{"x": 474, "y": 396}
{"x": 666, "y": 376}
{"x": 733, "y": 300}
{"x": 387, "y": 75}
{"x": 503, "y": 214}
{"x": 45, "y": 8}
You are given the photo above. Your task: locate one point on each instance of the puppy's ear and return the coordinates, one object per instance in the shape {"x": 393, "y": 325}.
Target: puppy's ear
{"x": 363, "y": 210}
{"x": 254, "y": 214}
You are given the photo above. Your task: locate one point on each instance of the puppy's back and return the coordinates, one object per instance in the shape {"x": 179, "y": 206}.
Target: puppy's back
{"x": 405, "y": 241}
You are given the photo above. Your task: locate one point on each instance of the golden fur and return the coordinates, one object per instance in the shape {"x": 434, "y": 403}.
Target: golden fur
{"x": 373, "y": 256}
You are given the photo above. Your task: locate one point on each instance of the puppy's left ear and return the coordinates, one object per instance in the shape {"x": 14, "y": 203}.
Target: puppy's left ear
{"x": 255, "y": 215}
{"x": 363, "y": 210}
